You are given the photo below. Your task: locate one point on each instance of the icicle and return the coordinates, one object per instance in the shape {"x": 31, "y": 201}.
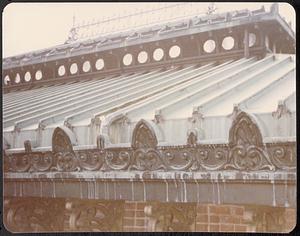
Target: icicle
{"x": 167, "y": 191}
{"x": 80, "y": 189}
{"x": 184, "y": 186}
{"x": 132, "y": 191}
{"x": 213, "y": 190}
{"x": 176, "y": 199}
{"x": 273, "y": 188}
{"x": 54, "y": 188}
{"x": 197, "y": 190}
{"x": 218, "y": 189}
{"x": 144, "y": 186}
{"x": 115, "y": 190}
{"x": 41, "y": 189}
{"x": 286, "y": 202}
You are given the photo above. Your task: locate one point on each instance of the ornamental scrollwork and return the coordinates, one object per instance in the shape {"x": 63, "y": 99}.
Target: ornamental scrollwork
{"x": 212, "y": 157}
{"x": 34, "y": 214}
{"x": 177, "y": 159}
{"x": 147, "y": 159}
{"x": 92, "y": 215}
{"x": 118, "y": 160}
{"x": 171, "y": 217}
{"x": 247, "y": 150}
{"x": 42, "y": 162}
{"x": 90, "y": 160}
{"x": 283, "y": 156}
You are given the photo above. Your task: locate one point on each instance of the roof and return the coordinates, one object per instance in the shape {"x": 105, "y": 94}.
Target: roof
{"x": 192, "y": 97}
{"x": 153, "y": 33}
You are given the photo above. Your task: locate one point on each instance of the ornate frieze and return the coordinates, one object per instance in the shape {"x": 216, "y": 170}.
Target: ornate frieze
{"x": 171, "y": 216}
{"x": 34, "y": 214}
{"x": 274, "y": 156}
{"x": 94, "y": 215}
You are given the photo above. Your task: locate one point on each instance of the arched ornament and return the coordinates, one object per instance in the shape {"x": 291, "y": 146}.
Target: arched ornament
{"x": 144, "y": 135}
{"x": 247, "y": 151}
{"x": 245, "y": 131}
{"x": 63, "y": 140}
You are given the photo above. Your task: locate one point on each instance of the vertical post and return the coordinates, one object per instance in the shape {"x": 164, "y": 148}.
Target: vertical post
{"x": 246, "y": 43}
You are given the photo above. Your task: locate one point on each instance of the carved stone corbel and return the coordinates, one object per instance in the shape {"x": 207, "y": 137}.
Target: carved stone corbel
{"x": 174, "y": 217}
{"x": 92, "y": 215}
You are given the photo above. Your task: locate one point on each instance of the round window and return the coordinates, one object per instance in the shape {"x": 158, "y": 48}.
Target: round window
{"x": 74, "y": 68}
{"x": 127, "y": 59}
{"x": 17, "y": 78}
{"x": 174, "y": 51}
{"x": 142, "y": 57}
{"x": 99, "y": 64}
{"x": 209, "y": 46}
{"x": 158, "y": 54}
{"x": 228, "y": 43}
{"x": 61, "y": 70}
{"x": 86, "y": 66}
{"x": 27, "y": 76}
{"x": 38, "y": 75}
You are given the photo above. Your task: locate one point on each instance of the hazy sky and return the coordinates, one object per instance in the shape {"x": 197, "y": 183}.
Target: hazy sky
{"x": 33, "y": 26}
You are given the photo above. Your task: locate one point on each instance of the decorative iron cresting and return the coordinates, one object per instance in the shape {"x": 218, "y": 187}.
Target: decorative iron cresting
{"x": 247, "y": 150}
{"x": 205, "y": 157}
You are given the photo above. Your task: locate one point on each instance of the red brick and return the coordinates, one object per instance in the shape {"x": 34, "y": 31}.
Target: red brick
{"x": 139, "y": 222}
{"x": 230, "y": 219}
{"x": 202, "y": 227}
{"x": 226, "y": 227}
{"x": 140, "y": 206}
{"x": 129, "y": 213}
{"x": 237, "y": 210}
{"x": 240, "y": 228}
{"x": 128, "y": 221}
{"x": 202, "y": 209}
{"x": 214, "y": 218}
{"x": 224, "y": 210}
{"x": 214, "y": 228}
{"x": 202, "y": 218}
{"x": 140, "y": 214}
{"x": 130, "y": 205}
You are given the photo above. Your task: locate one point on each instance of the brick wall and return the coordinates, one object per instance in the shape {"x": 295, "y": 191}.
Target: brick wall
{"x": 134, "y": 219}
{"x": 229, "y": 218}
{"x": 209, "y": 218}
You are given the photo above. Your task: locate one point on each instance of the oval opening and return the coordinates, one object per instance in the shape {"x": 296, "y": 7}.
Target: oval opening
{"x": 38, "y": 75}
{"x": 209, "y": 46}
{"x": 228, "y": 43}
{"x": 6, "y": 80}
{"x": 86, "y": 66}
{"x": 127, "y": 59}
{"x": 174, "y": 51}
{"x": 27, "y": 76}
{"x": 99, "y": 64}
{"x": 142, "y": 57}
{"x": 17, "y": 78}
{"x": 73, "y": 68}
{"x": 61, "y": 70}
{"x": 158, "y": 54}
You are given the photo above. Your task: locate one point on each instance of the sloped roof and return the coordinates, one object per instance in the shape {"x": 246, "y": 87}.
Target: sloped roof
{"x": 152, "y": 33}
{"x": 203, "y": 98}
